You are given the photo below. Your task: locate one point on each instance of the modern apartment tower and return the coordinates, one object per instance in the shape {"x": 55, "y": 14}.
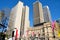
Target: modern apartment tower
{"x": 27, "y": 22}
{"x": 15, "y": 17}
{"x": 46, "y": 13}
{"x": 38, "y": 13}
{"x": 19, "y": 18}
{"x": 24, "y": 20}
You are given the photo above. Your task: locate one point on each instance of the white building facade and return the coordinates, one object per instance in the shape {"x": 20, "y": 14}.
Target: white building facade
{"x": 47, "y": 15}
{"x": 19, "y": 18}
{"x": 15, "y": 17}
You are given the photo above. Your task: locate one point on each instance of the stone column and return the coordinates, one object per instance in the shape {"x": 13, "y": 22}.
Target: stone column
{"x": 50, "y": 33}
{"x": 46, "y": 33}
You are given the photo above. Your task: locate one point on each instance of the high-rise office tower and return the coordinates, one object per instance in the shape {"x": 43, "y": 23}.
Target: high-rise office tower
{"x": 15, "y": 17}
{"x": 26, "y": 21}
{"x": 19, "y": 18}
{"x": 46, "y": 12}
{"x": 38, "y": 13}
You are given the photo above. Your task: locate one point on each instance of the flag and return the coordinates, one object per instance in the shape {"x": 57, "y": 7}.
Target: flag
{"x": 13, "y": 38}
{"x": 27, "y": 33}
{"x": 16, "y": 33}
{"x": 53, "y": 25}
{"x": 13, "y": 33}
{"x": 33, "y": 33}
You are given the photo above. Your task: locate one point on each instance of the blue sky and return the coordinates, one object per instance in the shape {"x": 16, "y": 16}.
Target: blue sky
{"x": 54, "y": 6}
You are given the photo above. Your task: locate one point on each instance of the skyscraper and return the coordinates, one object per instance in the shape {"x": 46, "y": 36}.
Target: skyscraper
{"x": 26, "y": 21}
{"x": 19, "y": 18}
{"x": 15, "y": 17}
{"x": 46, "y": 13}
{"x": 38, "y": 13}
